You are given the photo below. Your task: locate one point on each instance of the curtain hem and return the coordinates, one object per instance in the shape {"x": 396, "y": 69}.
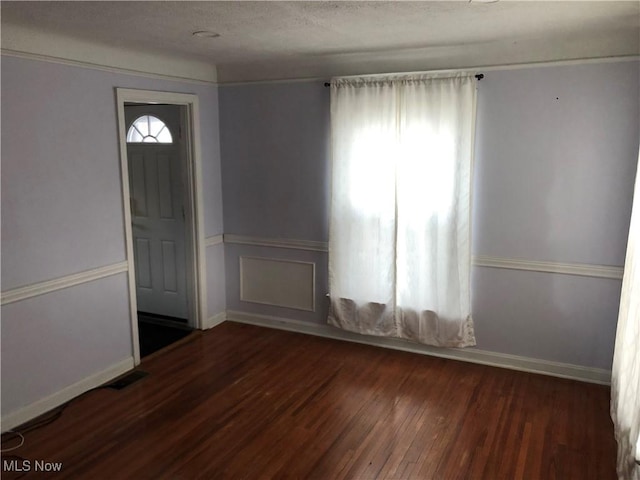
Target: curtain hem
{"x": 424, "y": 327}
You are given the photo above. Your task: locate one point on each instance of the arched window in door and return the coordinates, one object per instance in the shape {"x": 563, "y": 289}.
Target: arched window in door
{"x": 149, "y": 129}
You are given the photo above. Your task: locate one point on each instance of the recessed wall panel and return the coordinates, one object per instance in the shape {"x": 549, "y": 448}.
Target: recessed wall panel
{"x": 169, "y": 266}
{"x": 277, "y": 282}
{"x": 143, "y": 262}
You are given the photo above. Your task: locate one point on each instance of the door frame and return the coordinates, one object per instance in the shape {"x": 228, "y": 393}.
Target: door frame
{"x": 194, "y": 205}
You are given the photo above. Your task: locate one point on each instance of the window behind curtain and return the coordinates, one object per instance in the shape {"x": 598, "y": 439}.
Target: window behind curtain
{"x": 399, "y": 247}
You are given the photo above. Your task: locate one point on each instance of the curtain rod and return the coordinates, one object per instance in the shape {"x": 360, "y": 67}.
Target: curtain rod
{"x": 479, "y": 76}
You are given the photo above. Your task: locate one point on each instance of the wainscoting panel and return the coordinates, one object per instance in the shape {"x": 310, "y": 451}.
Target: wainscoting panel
{"x": 579, "y": 269}
{"x": 277, "y": 282}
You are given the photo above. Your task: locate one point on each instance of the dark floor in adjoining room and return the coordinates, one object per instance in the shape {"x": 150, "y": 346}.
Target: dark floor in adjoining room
{"x": 156, "y": 333}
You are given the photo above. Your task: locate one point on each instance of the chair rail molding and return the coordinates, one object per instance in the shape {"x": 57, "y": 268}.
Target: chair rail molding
{"x": 213, "y": 240}
{"x": 289, "y": 243}
{"x": 41, "y": 288}
{"x": 563, "y": 268}
{"x": 579, "y": 269}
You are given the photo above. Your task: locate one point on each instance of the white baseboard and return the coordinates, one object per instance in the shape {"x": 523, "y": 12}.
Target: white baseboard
{"x": 30, "y": 412}
{"x": 472, "y": 355}
{"x": 217, "y": 319}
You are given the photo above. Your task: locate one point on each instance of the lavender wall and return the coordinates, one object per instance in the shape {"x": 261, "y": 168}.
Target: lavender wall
{"x": 275, "y": 144}
{"x": 274, "y": 149}
{"x": 60, "y": 167}
{"x": 52, "y": 341}
{"x": 554, "y": 176}
{"x": 555, "y": 159}
{"x": 554, "y": 171}
{"x": 62, "y": 213}
{"x": 555, "y": 162}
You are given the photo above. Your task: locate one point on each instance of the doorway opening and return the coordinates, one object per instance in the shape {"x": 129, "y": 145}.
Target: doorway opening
{"x": 163, "y": 224}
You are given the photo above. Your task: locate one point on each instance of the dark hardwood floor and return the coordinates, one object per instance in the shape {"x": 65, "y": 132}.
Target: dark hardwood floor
{"x": 247, "y": 402}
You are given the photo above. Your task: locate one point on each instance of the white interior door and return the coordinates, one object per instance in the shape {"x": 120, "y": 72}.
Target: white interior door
{"x": 157, "y": 208}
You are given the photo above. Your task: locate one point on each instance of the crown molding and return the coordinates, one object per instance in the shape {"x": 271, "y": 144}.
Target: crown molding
{"x": 24, "y": 42}
{"x": 222, "y": 82}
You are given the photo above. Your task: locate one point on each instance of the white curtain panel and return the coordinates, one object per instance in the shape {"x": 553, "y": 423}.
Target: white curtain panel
{"x": 399, "y": 242}
{"x": 625, "y": 379}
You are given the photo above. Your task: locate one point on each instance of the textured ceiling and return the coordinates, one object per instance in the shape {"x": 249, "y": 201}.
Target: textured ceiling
{"x": 287, "y": 39}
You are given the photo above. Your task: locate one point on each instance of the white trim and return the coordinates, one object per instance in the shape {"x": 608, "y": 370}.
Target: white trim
{"x": 474, "y": 69}
{"x": 311, "y": 245}
{"x": 471, "y": 355}
{"x": 126, "y": 207}
{"x": 54, "y": 400}
{"x": 514, "y": 66}
{"x": 134, "y": 95}
{"x": 579, "y": 269}
{"x": 36, "y": 44}
{"x": 102, "y": 67}
{"x": 280, "y": 260}
{"x": 217, "y": 319}
{"x": 194, "y": 206}
{"x": 214, "y": 240}
{"x": 41, "y": 288}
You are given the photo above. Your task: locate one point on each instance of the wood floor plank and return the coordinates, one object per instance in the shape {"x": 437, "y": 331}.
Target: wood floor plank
{"x": 240, "y": 401}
